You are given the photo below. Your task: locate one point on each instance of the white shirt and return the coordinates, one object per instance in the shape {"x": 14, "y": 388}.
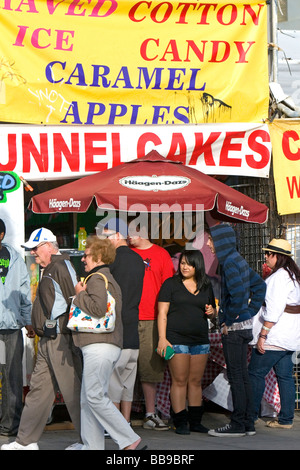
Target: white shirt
{"x": 281, "y": 291}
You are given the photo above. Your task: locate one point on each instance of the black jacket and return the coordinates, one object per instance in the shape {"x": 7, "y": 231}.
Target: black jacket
{"x": 128, "y": 270}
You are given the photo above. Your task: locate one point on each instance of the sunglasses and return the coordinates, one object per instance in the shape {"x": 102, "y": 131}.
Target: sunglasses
{"x": 85, "y": 255}
{"x": 268, "y": 253}
{"x": 38, "y": 246}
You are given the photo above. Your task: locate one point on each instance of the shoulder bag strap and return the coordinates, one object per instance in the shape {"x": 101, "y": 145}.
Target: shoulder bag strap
{"x": 99, "y": 274}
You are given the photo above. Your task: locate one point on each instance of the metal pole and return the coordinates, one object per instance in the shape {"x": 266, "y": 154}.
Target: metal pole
{"x": 274, "y": 41}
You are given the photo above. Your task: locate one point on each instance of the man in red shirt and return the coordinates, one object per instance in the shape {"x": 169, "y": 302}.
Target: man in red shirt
{"x": 158, "y": 268}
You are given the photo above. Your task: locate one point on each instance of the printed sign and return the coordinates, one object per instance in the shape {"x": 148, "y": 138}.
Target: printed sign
{"x": 154, "y": 182}
{"x": 8, "y": 182}
{"x": 57, "y": 152}
{"x": 12, "y": 212}
{"x": 285, "y": 137}
{"x": 121, "y": 62}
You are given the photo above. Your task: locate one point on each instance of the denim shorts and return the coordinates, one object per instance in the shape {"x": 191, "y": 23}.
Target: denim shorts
{"x": 192, "y": 350}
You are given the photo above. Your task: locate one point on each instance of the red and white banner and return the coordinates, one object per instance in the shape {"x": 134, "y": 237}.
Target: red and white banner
{"x": 56, "y": 152}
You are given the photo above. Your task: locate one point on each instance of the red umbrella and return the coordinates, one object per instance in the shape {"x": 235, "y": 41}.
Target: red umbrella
{"x": 152, "y": 184}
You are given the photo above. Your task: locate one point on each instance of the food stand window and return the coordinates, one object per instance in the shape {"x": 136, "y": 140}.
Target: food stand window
{"x": 64, "y": 226}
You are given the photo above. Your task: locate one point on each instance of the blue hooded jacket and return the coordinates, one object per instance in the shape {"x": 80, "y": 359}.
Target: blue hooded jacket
{"x": 242, "y": 289}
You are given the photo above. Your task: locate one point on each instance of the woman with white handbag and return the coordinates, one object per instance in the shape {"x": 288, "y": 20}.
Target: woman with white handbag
{"x": 100, "y": 349}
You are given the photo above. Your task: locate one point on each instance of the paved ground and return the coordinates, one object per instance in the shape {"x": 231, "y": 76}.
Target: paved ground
{"x": 57, "y": 437}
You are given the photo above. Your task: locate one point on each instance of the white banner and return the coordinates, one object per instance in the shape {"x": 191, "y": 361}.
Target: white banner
{"x": 57, "y": 152}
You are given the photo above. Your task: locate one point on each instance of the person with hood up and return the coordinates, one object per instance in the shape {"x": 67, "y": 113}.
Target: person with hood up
{"x": 15, "y": 313}
{"x": 242, "y": 294}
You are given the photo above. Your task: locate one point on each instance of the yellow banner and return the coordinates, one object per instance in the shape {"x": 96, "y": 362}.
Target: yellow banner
{"x": 285, "y": 139}
{"x": 133, "y": 62}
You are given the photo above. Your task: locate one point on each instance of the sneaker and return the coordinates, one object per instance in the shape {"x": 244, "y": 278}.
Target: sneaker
{"x": 275, "y": 424}
{"x": 75, "y": 446}
{"x": 154, "y": 422}
{"x": 250, "y": 432}
{"x": 15, "y": 446}
{"x": 226, "y": 431}
{"x": 4, "y": 432}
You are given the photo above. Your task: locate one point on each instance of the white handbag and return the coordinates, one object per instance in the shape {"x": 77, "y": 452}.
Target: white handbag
{"x": 85, "y": 323}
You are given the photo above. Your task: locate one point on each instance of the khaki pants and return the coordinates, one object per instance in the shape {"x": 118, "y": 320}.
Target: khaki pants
{"x": 122, "y": 380}
{"x": 54, "y": 370}
{"x": 97, "y": 410}
{"x": 151, "y": 366}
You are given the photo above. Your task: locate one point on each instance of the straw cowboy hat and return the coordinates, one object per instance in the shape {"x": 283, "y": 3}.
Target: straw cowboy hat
{"x": 278, "y": 245}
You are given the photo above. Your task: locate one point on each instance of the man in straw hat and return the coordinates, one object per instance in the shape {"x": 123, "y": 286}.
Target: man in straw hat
{"x": 276, "y": 332}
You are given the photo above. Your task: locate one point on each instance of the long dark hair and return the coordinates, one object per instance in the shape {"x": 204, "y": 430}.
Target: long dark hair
{"x": 287, "y": 263}
{"x": 195, "y": 258}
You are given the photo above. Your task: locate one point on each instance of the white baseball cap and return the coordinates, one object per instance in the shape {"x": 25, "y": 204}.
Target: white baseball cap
{"x": 38, "y": 236}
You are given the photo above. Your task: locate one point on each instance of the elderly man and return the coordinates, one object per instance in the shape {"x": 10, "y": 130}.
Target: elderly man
{"x": 55, "y": 367}
{"x": 15, "y": 313}
{"x": 128, "y": 270}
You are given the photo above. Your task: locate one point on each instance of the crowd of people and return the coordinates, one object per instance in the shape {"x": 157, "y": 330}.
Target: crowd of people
{"x": 161, "y": 319}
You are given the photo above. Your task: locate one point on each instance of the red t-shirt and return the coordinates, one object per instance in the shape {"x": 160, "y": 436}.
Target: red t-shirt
{"x": 158, "y": 268}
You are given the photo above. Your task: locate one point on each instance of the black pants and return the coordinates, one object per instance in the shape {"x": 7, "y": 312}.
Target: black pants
{"x": 235, "y": 347}
{"x": 12, "y": 381}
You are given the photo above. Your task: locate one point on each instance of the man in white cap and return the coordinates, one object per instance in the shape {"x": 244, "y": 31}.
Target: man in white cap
{"x": 57, "y": 366}
{"x": 15, "y": 313}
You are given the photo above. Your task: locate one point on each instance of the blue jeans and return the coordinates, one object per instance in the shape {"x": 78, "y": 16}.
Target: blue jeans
{"x": 12, "y": 381}
{"x": 235, "y": 347}
{"x": 260, "y": 365}
{"x": 192, "y": 350}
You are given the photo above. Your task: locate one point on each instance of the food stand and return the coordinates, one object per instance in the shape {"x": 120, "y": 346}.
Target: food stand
{"x": 63, "y": 133}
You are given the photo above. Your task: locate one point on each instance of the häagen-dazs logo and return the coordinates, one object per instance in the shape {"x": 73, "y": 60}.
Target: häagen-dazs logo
{"x": 154, "y": 182}
{"x": 236, "y": 210}
{"x": 58, "y": 204}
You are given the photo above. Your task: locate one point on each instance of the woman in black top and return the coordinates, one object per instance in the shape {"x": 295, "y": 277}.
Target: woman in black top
{"x": 185, "y": 300}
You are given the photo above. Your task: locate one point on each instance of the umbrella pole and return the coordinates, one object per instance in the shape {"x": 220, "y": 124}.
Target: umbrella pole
{"x": 74, "y": 230}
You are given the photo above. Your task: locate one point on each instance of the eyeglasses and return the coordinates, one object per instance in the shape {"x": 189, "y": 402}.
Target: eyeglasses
{"x": 38, "y": 246}
{"x": 85, "y": 255}
{"x": 268, "y": 253}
